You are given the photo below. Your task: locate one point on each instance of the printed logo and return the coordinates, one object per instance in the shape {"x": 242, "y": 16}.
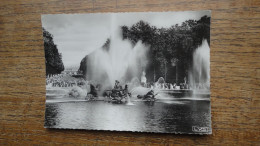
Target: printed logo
{"x": 200, "y": 129}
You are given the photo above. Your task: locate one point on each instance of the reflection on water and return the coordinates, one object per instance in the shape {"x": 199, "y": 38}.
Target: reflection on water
{"x": 170, "y": 116}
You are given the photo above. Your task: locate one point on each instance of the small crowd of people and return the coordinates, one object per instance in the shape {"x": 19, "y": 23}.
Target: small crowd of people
{"x": 170, "y": 86}
{"x": 58, "y": 80}
{"x": 165, "y": 86}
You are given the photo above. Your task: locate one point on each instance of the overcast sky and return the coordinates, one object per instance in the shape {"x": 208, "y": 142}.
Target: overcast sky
{"x": 76, "y": 35}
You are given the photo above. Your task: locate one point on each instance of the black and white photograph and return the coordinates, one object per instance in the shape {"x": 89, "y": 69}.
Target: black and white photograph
{"x": 134, "y": 71}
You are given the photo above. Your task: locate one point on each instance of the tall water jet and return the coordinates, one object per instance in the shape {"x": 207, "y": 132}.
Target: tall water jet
{"x": 143, "y": 78}
{"x": 118, "y": 60}
{"x": 199, "y": 75}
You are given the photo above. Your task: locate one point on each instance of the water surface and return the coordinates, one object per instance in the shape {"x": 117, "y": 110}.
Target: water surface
{"x": 165, "y": 115}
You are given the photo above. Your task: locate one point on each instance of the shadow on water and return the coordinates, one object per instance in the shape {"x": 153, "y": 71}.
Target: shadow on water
{"x": 51, "y": 112}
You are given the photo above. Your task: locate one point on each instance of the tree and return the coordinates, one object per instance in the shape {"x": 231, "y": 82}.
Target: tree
{"x": 53, "y": 59}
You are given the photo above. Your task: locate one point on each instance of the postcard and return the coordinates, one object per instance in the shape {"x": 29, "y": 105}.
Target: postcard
{"x": 136, "y": 71}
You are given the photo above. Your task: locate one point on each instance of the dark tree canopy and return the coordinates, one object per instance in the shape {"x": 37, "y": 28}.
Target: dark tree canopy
{"x": 53, "y": 58}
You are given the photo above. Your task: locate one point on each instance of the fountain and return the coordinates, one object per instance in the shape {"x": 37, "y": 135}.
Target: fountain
{"x": 199, "y": 75}
{"x": 78, "y": 93}
{"x": 161, "y": 80}
{"x": 159, "y": 84}
{"x": 135, "y": 82}
{"x": 129, "y": 102}
{"x": 121, "y": 60}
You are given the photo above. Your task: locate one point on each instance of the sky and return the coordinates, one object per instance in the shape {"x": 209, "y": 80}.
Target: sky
{"x": 77, "y": 35}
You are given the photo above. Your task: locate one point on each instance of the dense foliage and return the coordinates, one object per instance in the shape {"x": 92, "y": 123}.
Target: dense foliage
{"x": 171, "y": 48}
{"x": 53, "y": 58}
